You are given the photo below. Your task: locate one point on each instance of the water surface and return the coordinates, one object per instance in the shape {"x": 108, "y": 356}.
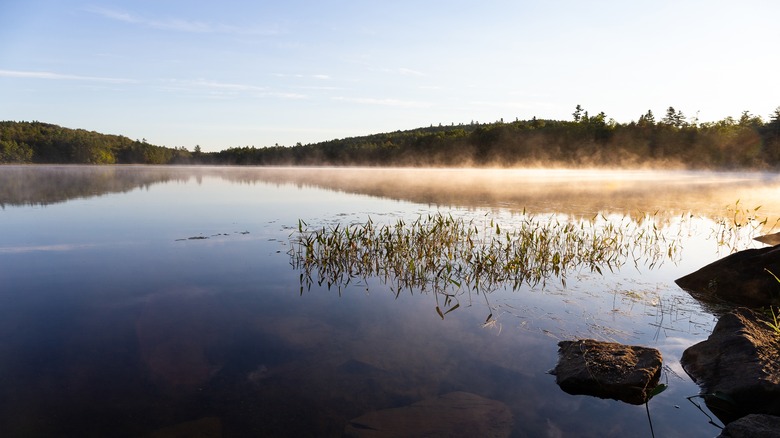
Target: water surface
{"x": 136, "y": 299}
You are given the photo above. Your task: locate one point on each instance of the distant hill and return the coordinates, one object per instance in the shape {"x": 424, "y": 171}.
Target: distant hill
{"x": 37, "y": 142}
{"x": 747, "y": 142}
{"x": 744, "y": 143}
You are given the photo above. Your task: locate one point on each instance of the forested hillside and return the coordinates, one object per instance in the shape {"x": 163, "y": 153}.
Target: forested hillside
{"x": 36, "y": 142}
{"x": 748, "y": 142}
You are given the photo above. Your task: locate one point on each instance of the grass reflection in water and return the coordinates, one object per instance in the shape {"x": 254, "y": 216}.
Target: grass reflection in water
{"x": 449, "y": 255}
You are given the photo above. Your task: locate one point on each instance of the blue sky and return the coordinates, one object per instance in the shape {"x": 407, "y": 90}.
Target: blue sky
{"x": 241, "y": 73}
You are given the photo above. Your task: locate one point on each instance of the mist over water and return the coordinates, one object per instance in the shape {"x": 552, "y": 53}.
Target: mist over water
{"x": 140, "y": 299}
{"x": 569, "y": 191}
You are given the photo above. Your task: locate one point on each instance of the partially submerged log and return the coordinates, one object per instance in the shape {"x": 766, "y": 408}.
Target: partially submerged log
{"x": 608, "y": 370}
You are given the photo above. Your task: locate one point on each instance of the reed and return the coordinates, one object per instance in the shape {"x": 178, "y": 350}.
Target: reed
{"x": 447, "y": 255}
{"x": 740, "y": 224}
{"x": 774, "y": 324}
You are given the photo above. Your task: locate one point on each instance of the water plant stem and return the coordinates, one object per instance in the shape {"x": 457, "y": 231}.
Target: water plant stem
{"x": 446, "y": 254}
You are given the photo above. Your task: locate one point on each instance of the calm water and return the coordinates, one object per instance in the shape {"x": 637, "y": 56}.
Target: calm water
{"x": 114, "y": 321}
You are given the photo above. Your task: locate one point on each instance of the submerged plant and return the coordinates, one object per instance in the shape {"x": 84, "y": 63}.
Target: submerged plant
{"x": 445, "y": 254}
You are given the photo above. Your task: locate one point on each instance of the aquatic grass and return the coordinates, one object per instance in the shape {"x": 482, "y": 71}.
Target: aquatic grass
{"x": 774, "y": 324}
{"x": 740, "y": 224}
{"x": 446, "y": 254}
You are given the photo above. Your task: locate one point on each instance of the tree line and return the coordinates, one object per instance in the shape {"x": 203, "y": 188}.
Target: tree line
{"x": 586, "y": 140}
{"x": 44, "y": 143}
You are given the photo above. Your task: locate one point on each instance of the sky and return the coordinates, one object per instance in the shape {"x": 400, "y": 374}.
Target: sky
{"x": 181, "y": 73}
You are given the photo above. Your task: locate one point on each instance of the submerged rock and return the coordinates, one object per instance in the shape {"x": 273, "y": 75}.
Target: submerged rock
{"x": 608, "y": 370}
{"x": 452, "y": 414}
{"x": 737, "y": 367}
{"x": 744, "y": 278}
{"x": 206, "y": 427}
{"x": 753, "y": 426}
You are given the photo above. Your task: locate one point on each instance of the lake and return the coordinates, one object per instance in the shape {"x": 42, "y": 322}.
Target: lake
{"x": 160, "y": 301}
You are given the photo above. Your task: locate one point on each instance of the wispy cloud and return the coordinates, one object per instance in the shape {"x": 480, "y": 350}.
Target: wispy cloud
{"x": 179, "y": 24}
{"x": 303, "y": 76}
{"x": 61, "y": 76}
{"x": 320, "y": 88}
{"x": 402, "y": 71}
{"x": 114, "y": 15}
{"x": 226, "y": 86}
{"x": 226, "y": 89}
{"x": 384, "y": 102}
{"x": 283, "y": 95}
{"x": 409, "y": 72}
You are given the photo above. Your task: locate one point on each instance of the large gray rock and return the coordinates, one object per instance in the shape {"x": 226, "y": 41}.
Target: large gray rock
{"x": 753, "y": 426}
{"x": 737, "y": 367}
{"x": 452, "y": 414}
{"x": 608, "y": 370}
{"x": 742, "y": 278}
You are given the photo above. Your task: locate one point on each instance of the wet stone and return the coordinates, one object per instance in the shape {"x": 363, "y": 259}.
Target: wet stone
{"x": 753, "y": 426}
{"x": 206, "y": 427}
{"x": 745, "y": 278}
{"x": 608, "y": 370}
{"x": 737, "y": 366}
{"x": 452, "y": 414}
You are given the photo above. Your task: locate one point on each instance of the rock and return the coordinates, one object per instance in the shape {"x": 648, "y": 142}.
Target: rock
{"x": 737, "y": 367}
{"x": 770, "y": 239}
{"x": 176, "y": 330}
{"x": 608, "y": 370}
{"x": 452, "y": 414}
{"x": 753, "y": 426}
{"x": 742, "y": 278}
{"x": 206, "y": 427}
